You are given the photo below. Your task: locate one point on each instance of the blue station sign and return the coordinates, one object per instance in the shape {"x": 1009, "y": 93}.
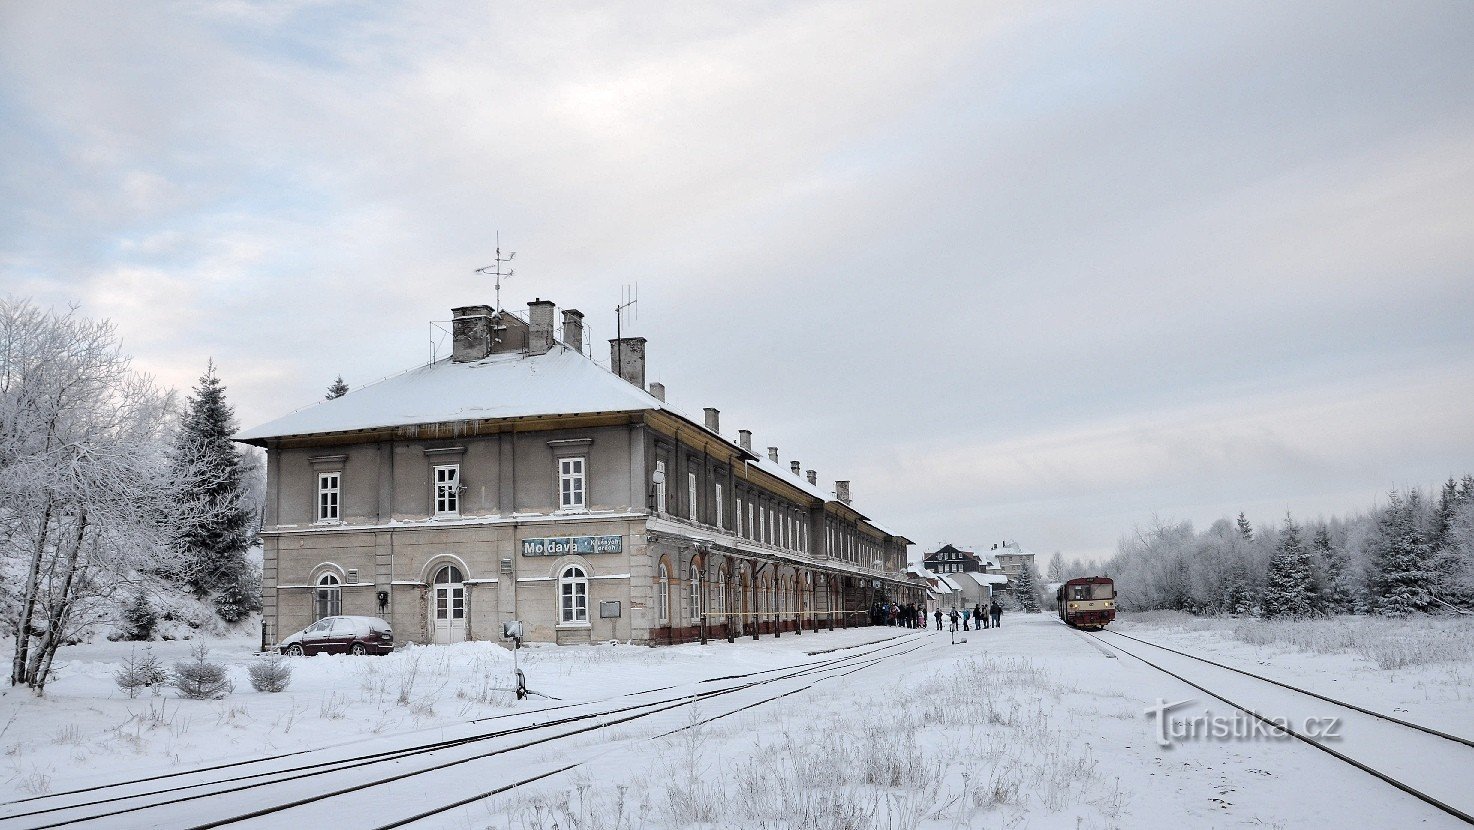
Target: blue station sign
{"x": 564, "y": 545}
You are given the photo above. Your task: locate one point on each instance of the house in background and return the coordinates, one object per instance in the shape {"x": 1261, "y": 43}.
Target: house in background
{"x": 516, "y": 479}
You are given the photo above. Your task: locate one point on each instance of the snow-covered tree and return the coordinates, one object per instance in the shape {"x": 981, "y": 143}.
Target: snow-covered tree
{"x": 1289, "y": 589}
{"x": 1402, "y": 580}
{"x": 1333, "y": 592}
{"x": 139, "y": 618}
{"x": 1056, "y": 572}
{"x": 211, "y": 479}
{"x": 1246, "y": 529}
{"x": 84, "y": 496}
{"x": 337, "y": 388}
{"x": 1026, "y": 588}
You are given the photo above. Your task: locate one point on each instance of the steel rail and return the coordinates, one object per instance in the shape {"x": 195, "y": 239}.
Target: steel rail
{"x": 1407, "y": 788}
{"x": 337, "y": 765}
{"x": 1399, "y": 721}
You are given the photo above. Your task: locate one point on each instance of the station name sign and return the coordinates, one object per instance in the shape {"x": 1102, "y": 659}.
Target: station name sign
{"x": 564, "y": 545}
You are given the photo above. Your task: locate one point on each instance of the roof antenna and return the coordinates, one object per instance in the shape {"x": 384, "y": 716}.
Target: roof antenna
{"x": 627, "y": 299}
{"x": 495, "y": 269}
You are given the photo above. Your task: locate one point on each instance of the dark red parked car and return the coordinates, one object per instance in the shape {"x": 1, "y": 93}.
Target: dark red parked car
{"x": 341, "y": 635}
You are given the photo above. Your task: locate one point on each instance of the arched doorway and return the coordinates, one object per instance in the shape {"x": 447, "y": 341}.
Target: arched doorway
{"x": 448, "y": 606}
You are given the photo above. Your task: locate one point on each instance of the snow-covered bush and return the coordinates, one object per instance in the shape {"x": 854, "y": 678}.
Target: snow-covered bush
{"x": 199, "y": 679}
{"x": 270, "y": 674}
{"x": 140, "y": 672}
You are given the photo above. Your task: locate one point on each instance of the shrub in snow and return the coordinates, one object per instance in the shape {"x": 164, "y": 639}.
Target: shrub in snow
{"x": 199, "y": 679}
{"x": 139, "y": 619}
{"x": 140, "y": 672}
{"x": 233, "y": 603}
{"x": 271, "y": 674}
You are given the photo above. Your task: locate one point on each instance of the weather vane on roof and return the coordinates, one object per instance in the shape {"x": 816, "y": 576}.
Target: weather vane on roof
{"x": 495, "y": 269}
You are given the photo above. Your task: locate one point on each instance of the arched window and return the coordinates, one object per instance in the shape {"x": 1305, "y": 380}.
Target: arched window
{"x": 573, "y": 595}
{"x": 695, "y": 593}
{"x": 329, "y": 596}
{"x": 662, "y": 597}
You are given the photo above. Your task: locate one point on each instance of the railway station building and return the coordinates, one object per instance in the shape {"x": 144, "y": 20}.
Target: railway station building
{"x": 517, "y": 479}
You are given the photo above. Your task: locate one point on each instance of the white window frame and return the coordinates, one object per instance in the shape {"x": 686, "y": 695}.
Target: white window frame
{"x": 660, "y": 491}
{"x": 662, "y": 599}
{"x": 573, "y": 494}
{"x": 738, "y": 518}
{"x": 691, "y": 496}
{"x": 719, "y": 512}
{"x": 330, "y": 496}
{"x": 573, "y": 596}
{"x": 751, "y": 528}
{"x": 329, "y": 593}
{"x": 694, "y": 591}
{"x": 447, "y": 489}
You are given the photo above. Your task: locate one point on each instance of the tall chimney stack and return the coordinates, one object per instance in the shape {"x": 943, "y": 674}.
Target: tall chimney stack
{"x": 658, "y": 391}
{"x": 813, "y": 476}
{"x": 540, "y": 326}
{"x": 842, "y": 491}
{"x": 744, "y": 439}
{"x": 627, "y": 356}
{"x": 773, "y": 454}
{"x": 470, "y": 328}
{"x": 794, "y": 466}
{"x": 573, "y": 329}
{"x": 713, "y": 420}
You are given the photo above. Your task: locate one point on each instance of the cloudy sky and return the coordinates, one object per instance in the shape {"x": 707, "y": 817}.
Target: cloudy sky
{"x": 1023, "y": 271}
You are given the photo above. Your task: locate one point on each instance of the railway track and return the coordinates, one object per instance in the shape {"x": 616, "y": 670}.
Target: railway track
{"x": 1425, "y": 763}
{"x": 265, "y": 788}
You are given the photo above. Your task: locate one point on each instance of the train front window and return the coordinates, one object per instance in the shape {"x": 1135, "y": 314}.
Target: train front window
{"x": 1103, "y": 591}
{"x": 1079, "y": 592}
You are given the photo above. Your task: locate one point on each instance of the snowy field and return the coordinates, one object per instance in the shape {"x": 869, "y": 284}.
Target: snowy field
{"x": 1033, "y": 725}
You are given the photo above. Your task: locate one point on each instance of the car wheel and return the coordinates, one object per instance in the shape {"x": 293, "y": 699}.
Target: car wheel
{"x": 295, "y": 650}
{"x": 358, "y": 649}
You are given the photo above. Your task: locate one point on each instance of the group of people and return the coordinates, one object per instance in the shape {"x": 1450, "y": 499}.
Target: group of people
{"x": 978, "y": 616}
{"x": 890, "y": 613}
{"x": 913, "y": 616}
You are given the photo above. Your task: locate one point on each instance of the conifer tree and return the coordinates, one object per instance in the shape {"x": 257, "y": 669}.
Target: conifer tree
{"x": 1333, "y": 595}
{"x": 337, "y": 388}
{"x": 212, "y": 478}
{"x": 139, "y": 618}
{"x": 1025, "y": 589}
{"x": 1402, "y": 580}
{"x": 1289, "y": 588}
{"x": 1245, "y": 529}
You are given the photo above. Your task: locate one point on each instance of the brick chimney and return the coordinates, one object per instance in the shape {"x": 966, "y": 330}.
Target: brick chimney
{"x": 573, "y": 329}
{"x": 713, "y": 420}
{"x": 627, "y": 357}
{"x": 658, "y": 391}
{"x": 795, "y": 467}
{"x": 842, "y": 491}
{"x": 744, "y": 439}
{"x": 540, "y": 326}
{"x": 773, "y": 454}
{"x": 813, "y": 476}
{"x": 470, "y": 328}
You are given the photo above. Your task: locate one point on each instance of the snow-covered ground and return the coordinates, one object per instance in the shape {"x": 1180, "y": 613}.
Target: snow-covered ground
{"x": 1031, "y": 725}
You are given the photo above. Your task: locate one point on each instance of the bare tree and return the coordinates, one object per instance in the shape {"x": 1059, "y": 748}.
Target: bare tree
{"x": 85, "y": 501}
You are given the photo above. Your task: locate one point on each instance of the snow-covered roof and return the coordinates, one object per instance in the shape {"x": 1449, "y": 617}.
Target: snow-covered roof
{"x": 508, "y": 385}
{"x": 985, "y": 579}
{"x": 947, "y": 580}
{"x": 773, "y": 468}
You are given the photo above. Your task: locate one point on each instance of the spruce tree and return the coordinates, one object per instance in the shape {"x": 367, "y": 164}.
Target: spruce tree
{"x": 210, "y": 477}
{"x": 337, "y": 388}
{"x": 1402, "y": 580}
{"x": 1289, "y": 588}
{"x": 1245, "y": 529}
{"x": 139, "y": 619}
{"x": 1025, "y": 591}
{"x": 1333, "y": 596}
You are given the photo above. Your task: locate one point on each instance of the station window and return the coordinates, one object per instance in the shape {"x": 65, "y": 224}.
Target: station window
{"x": 448, "y": 490}
{"x": 329, "y": 596}
{"x": 571, "y": 484}
{"x": 328, "y": 494}
{"x": 573, "y": 596}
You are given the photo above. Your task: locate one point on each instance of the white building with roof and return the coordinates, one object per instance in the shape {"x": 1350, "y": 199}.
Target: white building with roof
{"x": 518, "y": 479}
